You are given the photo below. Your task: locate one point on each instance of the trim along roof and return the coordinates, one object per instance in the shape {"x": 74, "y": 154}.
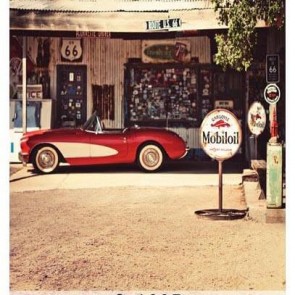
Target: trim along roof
{"x": 109, "y": 5}
{"x": 113, "y": 15}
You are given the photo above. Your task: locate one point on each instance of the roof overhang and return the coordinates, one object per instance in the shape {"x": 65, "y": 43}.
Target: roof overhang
{"x": 113, "y": 16}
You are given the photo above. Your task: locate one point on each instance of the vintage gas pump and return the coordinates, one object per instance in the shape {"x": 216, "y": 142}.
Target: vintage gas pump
{"x": 274, "y": 165}
{"x": 274, "y": 175}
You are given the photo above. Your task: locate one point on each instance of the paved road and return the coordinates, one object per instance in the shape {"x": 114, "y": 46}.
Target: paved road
{"x": 175, "y": 174}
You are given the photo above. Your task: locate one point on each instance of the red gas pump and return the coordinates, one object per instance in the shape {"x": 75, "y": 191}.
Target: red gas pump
{"x": 274, "y": 124}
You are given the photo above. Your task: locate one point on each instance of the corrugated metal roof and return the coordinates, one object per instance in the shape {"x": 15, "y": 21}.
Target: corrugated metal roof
{"x": 112, "y": 15}
{"x": 110, "y": 5}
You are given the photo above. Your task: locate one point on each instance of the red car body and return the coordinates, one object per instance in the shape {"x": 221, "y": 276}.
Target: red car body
{"x": 93, "y": 145}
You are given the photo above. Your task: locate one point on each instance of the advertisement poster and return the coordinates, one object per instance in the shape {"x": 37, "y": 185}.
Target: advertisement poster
{"x": 116, "y": 118}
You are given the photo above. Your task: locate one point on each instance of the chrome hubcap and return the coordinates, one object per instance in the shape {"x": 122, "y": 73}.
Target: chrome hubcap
{"x": 46, "y": 159}
{"x": 150, "y": 157}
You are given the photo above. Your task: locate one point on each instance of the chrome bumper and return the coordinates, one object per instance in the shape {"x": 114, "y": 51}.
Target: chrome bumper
{"x": 186, "y": 151}
{"x": 24, "y": 158}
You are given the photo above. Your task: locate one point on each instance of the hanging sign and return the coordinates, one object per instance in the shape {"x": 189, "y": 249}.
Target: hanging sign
{"x": 71, "y": 49}
{"x": 220, "y": 134}
{"x": 164, "y": 24}
{"x": 163, "y": 51}
{"x": 93, "y": 35}
{"x": 272, "y": 93}
{"x": 272, "y": 68}
{"x": 256, "y": 118}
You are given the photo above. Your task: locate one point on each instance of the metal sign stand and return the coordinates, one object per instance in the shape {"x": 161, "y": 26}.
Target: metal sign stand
{"x": 220, "y": 191}
{"x": 255, "y": 146}
{"x": 220, "y": 213}
{"x": 221, "y": 146}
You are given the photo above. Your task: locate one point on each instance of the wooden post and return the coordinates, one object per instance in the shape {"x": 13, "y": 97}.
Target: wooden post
{"x": 24, "y": 83}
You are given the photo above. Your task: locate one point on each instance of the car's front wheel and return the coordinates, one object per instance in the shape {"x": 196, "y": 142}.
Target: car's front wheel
{"x": 46, "y": 159}
{"x": 150, "y": 158}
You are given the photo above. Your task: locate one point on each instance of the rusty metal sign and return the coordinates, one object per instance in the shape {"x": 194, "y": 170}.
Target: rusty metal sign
{"x": 165, "y": 51}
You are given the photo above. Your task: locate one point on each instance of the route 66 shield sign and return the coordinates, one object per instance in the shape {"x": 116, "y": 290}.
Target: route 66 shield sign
{"x": 71, "y": 49}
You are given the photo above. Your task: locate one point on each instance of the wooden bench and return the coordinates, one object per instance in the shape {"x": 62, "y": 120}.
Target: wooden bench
{"x": 260, "y": 167}
{"x": 258, "y": 164}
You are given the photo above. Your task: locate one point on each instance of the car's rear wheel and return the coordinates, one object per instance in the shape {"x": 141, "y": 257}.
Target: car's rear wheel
{"x": 150, "y": 158}
{"x": 46, "y": 159}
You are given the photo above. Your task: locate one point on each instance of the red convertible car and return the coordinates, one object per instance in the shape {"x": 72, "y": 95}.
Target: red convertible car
{"x": 93, "y": 145}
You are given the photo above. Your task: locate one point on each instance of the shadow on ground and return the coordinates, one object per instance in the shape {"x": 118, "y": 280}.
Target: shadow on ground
{"x": 171, "y": 167}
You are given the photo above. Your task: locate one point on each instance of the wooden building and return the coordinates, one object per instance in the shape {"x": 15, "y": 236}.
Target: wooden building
{"x": 135, "y": 62}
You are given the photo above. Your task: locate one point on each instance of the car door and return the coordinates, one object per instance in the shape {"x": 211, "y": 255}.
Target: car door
{"x": 74, "y": 145}
{"x": 108, "y": 147}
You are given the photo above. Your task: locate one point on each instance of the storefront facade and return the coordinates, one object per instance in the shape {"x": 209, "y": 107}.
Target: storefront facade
{"x": 155, "y": 70}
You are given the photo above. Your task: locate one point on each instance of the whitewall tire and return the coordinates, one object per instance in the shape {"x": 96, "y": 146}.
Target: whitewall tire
{"x": 150, "y": 158}
{"x": 46, "y": 159}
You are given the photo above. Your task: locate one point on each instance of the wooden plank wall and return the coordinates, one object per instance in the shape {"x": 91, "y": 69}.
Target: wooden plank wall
{"x": 105, "y": 59}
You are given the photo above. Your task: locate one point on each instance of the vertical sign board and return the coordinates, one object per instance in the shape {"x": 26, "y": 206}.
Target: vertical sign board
{"x": 272, "y": 68}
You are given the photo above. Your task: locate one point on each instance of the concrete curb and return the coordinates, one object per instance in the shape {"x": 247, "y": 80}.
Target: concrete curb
{"x": 256, "y": 201}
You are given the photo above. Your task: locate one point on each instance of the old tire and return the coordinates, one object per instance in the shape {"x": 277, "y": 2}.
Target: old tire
{"x": 46, "y": 159}
{"x": 150, "y": 158}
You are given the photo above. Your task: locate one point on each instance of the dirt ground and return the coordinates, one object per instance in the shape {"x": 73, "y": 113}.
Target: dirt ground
{"x": 131, "y": 238}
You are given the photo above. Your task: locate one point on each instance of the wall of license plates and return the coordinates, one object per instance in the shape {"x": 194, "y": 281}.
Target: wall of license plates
{"x": 179, "y": 95}
{"x": 167, "y": 95}
{"x": 71, "y": 95}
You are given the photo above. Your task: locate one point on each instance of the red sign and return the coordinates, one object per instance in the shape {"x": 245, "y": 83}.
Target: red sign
{"x": 272, "y": 93}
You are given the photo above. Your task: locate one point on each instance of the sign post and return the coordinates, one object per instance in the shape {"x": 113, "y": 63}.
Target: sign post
{"x": 220, "y": 184}
{"x": 221, "y": 137}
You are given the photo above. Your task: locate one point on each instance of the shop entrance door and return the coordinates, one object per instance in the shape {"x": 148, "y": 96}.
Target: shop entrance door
{"x": 71, "y": 95}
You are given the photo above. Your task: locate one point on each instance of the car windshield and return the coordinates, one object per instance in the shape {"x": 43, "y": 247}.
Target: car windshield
{"x": 92, "y": 124}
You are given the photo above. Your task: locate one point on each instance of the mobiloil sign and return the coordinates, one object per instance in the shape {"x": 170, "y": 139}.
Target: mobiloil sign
{"x": 220, "y": 134}
{"x": 221, "y": 137}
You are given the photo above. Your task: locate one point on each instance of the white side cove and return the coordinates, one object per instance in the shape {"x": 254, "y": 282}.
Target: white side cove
{"x": 83, "y": 150}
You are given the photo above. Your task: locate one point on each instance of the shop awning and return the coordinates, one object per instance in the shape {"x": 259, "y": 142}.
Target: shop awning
{"x": 113, "y": 15}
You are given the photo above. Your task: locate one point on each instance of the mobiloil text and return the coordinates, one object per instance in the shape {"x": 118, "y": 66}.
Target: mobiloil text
{"x": 220, "y": 137}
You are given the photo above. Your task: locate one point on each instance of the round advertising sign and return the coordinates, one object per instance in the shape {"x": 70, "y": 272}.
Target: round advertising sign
{"x": 272, "y": 93}
{"x": 220, "y": 134}
{"x": 256, "y": 118}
